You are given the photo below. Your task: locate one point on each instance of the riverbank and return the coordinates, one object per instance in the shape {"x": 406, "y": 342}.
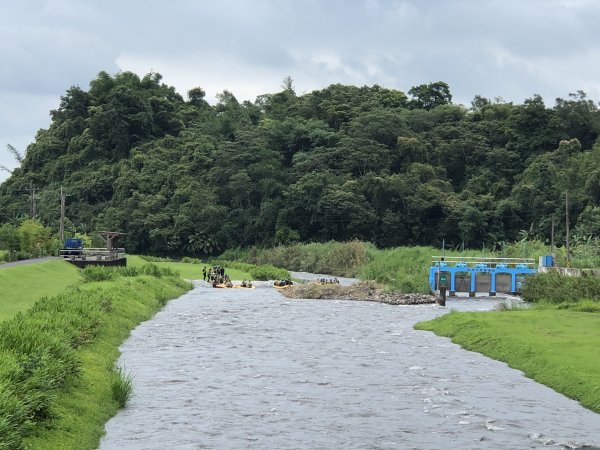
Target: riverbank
{"x": 553, "y": 347}
{"x": 57, "y": 369}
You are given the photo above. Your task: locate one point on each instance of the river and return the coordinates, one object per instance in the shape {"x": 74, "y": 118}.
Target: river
{"x": 238, "y": 369}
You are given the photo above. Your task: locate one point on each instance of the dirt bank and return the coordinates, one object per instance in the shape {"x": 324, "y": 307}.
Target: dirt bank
{"x": 363, "y": 291}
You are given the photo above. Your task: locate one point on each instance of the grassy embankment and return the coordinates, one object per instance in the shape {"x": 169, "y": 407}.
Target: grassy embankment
{"x": 555, "y": 342}
{"x": 57, "y": 359}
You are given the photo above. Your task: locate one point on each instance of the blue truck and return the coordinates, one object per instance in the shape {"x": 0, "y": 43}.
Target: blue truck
{"x": 72, "y": 247}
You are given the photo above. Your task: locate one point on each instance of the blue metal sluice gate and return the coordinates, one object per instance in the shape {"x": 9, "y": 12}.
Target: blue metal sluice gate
{"x": 453, "y": 272}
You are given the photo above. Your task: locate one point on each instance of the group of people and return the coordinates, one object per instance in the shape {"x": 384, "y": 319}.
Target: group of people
{"x": 213, "y": 273}
{"x": 217, "y": 276}
{"x": 287, "y": 282}
{"x": 328, "y": 281}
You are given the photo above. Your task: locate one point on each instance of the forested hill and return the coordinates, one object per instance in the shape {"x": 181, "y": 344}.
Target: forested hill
{"x": 184, "y": 177}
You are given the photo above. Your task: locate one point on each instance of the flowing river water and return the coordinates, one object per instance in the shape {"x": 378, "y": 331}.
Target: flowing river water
{"x": 238, "y": 369}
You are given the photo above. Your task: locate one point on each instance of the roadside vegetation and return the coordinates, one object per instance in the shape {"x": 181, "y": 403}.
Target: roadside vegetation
{"x": 30, "y": 239}
{"x": 58, "y": 381}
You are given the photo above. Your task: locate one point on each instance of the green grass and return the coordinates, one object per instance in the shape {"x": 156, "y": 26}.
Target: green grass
{"x": 122, "y": 387}
{"x": 404, "y": 269}
{"x": 557, "y": 289}
{"x": 188, "y": 271}
{"x": 334, "y": 258}
{"x": 86, "y": 401}
{"x": 22, "y": 286}
{"x": 556, "y": 348}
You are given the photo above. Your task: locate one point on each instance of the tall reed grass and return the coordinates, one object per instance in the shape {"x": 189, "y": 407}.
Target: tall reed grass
{"x": 122, "y": 387}
{"x": 335, "y": 258}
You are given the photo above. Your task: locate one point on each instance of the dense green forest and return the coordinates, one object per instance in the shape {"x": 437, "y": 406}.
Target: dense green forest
{"x": 393, "y": 168}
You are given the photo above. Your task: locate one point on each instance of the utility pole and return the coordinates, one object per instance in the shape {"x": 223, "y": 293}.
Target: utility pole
{"x": 63, "y": 197}
{"x": 62, "y": 215}
{"x": 567, "y": 228}
{"x": 552, "y": 239}
{"x": 31, "y": 189}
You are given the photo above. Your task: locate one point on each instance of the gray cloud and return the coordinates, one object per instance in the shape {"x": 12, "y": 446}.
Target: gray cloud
{"x": 509, "y": 48}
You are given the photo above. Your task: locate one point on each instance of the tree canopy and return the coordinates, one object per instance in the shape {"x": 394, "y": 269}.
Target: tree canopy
{"x": 184, "y": 177}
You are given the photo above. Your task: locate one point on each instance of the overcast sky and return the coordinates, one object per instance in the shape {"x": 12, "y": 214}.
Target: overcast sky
{"x": 507, "y": 48}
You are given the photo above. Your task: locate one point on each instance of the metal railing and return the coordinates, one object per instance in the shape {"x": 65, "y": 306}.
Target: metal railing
{"x": 481, "y": 261}
{"x": 93, "y": 253}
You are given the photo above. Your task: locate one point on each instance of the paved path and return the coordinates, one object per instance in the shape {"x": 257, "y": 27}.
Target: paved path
{"x": 24, "y": 262}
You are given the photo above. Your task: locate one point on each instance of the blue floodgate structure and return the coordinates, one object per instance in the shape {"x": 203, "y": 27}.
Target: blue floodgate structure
{"x": 479, "y": 274}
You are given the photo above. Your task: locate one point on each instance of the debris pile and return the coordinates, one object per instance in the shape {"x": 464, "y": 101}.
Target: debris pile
{"x": 361, "y": 291}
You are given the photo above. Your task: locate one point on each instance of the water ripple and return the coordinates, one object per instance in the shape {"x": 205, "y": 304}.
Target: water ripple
{"x": 220, "y": 368}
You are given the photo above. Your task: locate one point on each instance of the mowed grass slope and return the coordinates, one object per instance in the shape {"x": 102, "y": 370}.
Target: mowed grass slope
{"x": 22, "y": 286}
{"x": 556, "y": 348}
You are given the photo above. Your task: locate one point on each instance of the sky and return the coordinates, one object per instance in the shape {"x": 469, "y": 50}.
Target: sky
{"x": 508, "y": 49}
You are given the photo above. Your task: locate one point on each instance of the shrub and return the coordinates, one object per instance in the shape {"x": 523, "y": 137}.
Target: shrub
{"x": 156, "y": 271}
{"x": 555, "y": 288}
{"x": 268, "y": 272}
{"x": 237, "y": 265}
{"x": 128, "y": 271}
{"x": 236, "y": 254}
{"x": 97, "y": 273}
{"x": 188, "y": 260}
{"x": 155, "y": 258}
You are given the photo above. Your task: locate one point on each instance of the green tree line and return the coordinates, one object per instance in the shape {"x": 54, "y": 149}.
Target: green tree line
{"x": 181, "y": 176}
